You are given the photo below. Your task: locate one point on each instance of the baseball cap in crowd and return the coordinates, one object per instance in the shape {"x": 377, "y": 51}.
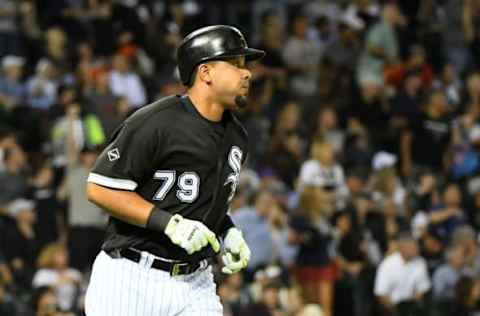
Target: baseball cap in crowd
{"x": 43, "y": 64}
{"x": 12, "y": 61}
{"x": 351, "y": 20}
{"x": 383, "y": 159}
{"x": 270, "y": 272}
{"x": 17, "y": 206}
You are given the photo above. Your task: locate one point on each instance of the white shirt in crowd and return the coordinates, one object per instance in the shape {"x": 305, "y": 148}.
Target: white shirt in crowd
{"x": 65, "y": 292}
{"x": 301, "y": 52}
{"x": 314, "y": 173}
{"x": 400, "y": 280}
{"x": 128, "y": 85}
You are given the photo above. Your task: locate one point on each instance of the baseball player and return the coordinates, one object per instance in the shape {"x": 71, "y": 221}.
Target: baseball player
{"x": 167, "y": 178}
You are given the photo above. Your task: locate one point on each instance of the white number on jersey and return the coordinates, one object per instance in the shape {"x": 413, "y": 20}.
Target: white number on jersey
{"x": 188, "y": 184}
{"x": 168, "y": 177}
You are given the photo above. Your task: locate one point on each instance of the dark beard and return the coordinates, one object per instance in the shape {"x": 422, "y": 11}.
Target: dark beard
{"x": 241, "y": 101}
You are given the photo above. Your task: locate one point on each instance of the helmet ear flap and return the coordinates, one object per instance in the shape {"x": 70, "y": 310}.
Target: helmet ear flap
{"x": 192, "y": 77}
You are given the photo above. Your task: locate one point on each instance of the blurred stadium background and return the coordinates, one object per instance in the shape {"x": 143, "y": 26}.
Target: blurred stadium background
{"x": 361, "y": 195}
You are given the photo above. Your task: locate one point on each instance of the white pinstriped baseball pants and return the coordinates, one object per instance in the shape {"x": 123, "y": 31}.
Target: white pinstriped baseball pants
{"x": 120, "y": 287}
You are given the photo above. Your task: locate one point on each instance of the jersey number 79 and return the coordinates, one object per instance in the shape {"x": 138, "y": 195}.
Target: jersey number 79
{"x": 188, "y": 185}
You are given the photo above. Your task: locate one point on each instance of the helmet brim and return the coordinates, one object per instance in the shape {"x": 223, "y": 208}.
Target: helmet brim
{"x": 250, "y": 54}
{"x": 253, "y": 54}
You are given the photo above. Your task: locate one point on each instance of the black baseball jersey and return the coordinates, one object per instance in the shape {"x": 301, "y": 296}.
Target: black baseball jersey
{"x": 178, "y": 160}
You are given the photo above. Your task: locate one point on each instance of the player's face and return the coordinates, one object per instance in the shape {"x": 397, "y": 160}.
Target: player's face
{"x": 230, "y": 79}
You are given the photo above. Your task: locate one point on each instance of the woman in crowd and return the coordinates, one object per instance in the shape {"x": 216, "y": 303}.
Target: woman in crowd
{"x": 55, "y": 273}
{"x": 316, "y": 269}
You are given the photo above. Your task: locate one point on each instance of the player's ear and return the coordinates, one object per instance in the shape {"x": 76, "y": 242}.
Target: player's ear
{"x": 204, "y": 73}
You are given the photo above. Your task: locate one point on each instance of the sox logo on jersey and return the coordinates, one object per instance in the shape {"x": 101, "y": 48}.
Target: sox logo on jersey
{"x": 235, "y": 162}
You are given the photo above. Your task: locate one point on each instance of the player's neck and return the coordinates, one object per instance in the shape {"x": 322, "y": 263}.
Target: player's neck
{"x": 212, "y": 111}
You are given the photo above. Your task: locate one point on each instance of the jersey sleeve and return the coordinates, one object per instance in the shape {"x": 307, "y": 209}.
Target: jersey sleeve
{"x": 128, "y": 158}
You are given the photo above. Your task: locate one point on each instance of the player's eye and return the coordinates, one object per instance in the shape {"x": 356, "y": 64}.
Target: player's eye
{"x": 238, "y": 63}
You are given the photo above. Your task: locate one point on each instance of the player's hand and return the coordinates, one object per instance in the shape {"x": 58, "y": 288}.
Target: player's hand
{"x": 190, "y": 235}
{"x": 237, "y": 254}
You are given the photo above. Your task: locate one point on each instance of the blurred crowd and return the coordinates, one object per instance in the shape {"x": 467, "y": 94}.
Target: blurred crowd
{"x": 361, "y": 194}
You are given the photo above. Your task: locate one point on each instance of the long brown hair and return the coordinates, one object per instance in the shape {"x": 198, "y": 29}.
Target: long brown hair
{"x": 312, "y": 202}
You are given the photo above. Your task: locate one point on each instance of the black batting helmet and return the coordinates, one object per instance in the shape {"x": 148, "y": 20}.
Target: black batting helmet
{"x": 210, "y": 43}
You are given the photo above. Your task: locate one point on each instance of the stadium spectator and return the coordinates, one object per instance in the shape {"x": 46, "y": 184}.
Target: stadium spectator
{"x": 42, "y": 87}
{"x": 21, "y": 247}
{"x": 253, "y": 221}
{"x": 124, "y": 82}
{"x": 386, "y": 185}
{"x": 54, "y": 272}
{"x": 274, "y": 66}
{"x": 322, "y": 171}
{"x": 57, "y": 53}
{"x": 50, "y": 225}
{"x": 344, "y": 50}
{"x": 406, "y": 104}
{"x": 14, "y": 176}
{"x": 106, "y": 105}
{"x": 432, "y": 130}
{"x": 302, "y": 57}
{"x": 402, "y": 279}
{"x": 10, "y": 36}
{"x": 12, "y": 89}
{"x": 381, "y": 49}
{"x": 416, "y": 61}
{"x": 354, "y": 264}
{"x": 316, "y": 270}
{"x": 448, "y": 215}
{"x": 86, "y": 221}
{"x": 285, "y": 155}
{"x": 269, "y": 303}
{"x": 326, "y": 127}
{"x": 447, "y": 275}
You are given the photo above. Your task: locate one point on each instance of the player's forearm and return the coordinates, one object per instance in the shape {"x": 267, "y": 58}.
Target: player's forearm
{"x": 127, "y": 206}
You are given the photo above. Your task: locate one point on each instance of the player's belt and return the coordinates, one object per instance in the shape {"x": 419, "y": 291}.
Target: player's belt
{"x": 174, "y": 267}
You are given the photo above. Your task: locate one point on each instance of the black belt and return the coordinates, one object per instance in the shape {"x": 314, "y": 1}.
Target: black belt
{"x": 174, "y": 267}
